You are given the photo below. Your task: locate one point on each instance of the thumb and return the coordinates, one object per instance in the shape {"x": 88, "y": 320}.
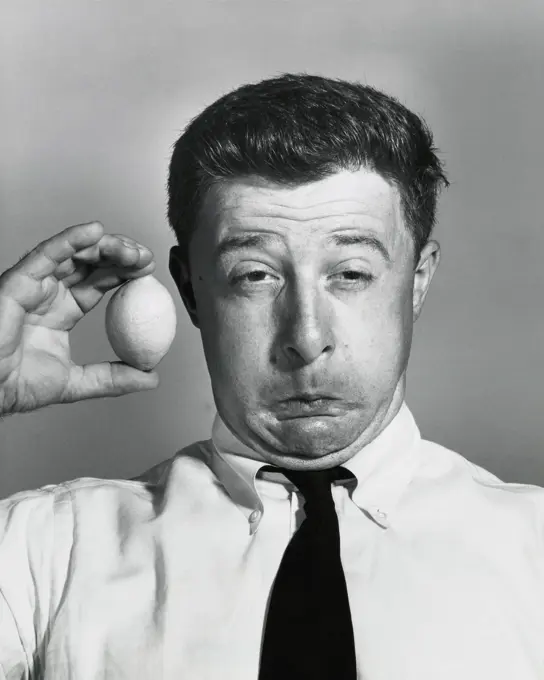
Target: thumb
{"x": 107, "y": 379}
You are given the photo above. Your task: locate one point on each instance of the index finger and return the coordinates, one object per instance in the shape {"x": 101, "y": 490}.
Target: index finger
{"x": 44, "y": 259}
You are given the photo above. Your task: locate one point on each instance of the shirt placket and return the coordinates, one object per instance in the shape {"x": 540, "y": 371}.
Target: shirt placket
{"x": 296, "y": 514}
{"x": 296, "y": 505}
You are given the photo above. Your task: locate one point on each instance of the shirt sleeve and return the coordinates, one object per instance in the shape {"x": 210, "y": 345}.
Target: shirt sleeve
{"x": 35, "y": 541}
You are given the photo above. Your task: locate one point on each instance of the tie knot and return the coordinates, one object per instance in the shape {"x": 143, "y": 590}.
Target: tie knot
{"x": 314, "y": 485}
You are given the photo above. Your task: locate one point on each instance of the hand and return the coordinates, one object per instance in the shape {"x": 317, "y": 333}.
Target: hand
{"x": 43, "y": 297}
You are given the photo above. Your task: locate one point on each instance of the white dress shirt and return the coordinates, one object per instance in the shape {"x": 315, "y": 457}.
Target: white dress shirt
{"x": 167, "y": 576}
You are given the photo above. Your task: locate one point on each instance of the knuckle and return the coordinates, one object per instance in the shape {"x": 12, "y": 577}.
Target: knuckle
{"x": 122, "y": 238}
{"x": 43, "y": 252}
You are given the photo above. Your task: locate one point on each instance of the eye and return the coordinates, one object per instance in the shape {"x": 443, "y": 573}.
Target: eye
{"x": 352, "y": 276}
{"x": 252, "y": 276}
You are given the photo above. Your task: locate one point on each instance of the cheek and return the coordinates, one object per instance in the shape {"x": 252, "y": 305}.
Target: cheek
{"x": 236, "y": 341}
{"x": 377, "y": 336}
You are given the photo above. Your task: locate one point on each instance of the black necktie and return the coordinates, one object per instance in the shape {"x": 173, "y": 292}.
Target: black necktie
{"x": 308, "y": 632}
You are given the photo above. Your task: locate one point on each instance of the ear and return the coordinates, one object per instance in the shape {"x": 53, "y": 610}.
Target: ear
{"x": 423, "y": 274}
{"x": 180, "y": 272}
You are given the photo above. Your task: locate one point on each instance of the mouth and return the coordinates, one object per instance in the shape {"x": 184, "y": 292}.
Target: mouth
{"x": 305, "y": 407}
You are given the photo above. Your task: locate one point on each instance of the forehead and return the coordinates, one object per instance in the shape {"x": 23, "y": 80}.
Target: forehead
{"x": 360, "y": 199}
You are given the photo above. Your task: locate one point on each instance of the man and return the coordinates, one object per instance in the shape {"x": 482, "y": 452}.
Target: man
{"x": 315, "y": 534}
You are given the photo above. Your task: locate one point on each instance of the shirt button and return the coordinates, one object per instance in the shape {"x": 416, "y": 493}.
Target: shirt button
{"x": 254, "y": 515}
{"x": 381, "y": 514}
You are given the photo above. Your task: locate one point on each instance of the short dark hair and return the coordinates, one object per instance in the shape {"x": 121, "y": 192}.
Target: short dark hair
{"x": 298, "y": 128}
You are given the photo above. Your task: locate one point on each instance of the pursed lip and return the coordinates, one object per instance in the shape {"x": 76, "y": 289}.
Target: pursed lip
{"x": 308, "y": 406}
{"x": 309, "y": 396}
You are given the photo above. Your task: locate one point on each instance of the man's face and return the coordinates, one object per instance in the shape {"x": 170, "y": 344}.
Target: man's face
{"x": 299, "y": 310}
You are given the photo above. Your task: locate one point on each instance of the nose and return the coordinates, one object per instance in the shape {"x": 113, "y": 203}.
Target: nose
{"x": 306, "y": 331}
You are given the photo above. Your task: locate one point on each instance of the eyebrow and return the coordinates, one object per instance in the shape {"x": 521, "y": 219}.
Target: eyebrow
{"x": 238, "y": 242}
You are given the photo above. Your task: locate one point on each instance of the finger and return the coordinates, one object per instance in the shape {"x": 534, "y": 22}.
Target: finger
{"x": 114, "y": 248}
{"x": 28, "y": 283}
{"x": 103, "y": 280}
{"x": 76, "y": 269}
{"x": 111, "y": 253}
{"x": 107, "y": 379}
{"x": 43, "y": 260}
{"x": 91, "y": 290}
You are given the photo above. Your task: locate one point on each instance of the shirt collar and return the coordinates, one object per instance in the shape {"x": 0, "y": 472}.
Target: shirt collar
{"x": 383, "y": 468}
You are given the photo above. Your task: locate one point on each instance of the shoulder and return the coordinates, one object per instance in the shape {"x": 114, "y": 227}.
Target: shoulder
{"x": 186, "y": 472}
{"x": 438, "y": 460}
{"x": 33, "y": 509}
{"x": 41, "y": 528}
{"x": 88, "y": 522}
{"x": 451, "y": 480}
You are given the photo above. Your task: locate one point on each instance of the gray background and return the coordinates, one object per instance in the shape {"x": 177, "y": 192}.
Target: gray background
{"x": 94, "y": 93}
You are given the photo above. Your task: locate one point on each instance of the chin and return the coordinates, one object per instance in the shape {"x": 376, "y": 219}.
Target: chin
{"x": 301, "y": 462}
{"x": 313, "y": 438}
